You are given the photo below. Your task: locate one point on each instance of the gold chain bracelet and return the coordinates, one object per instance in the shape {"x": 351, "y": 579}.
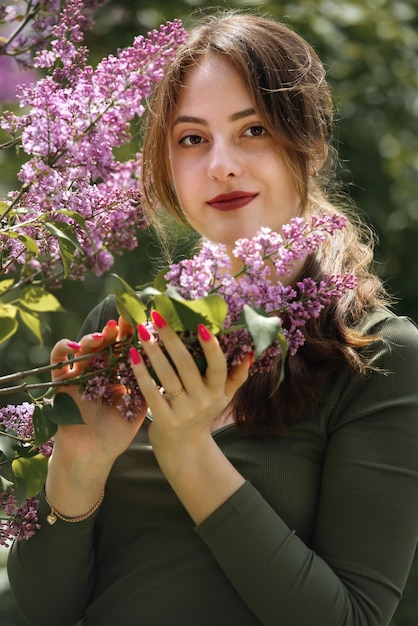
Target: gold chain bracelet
{"x": 53, "y": 515}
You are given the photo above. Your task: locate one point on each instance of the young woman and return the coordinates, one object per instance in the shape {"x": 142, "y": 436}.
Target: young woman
{"x": 233, "y": 506}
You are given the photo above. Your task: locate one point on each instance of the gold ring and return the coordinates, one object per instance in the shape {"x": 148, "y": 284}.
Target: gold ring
{"x": 174, "y": 395}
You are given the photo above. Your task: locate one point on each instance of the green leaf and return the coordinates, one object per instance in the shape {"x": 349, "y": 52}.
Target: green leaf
{"x": 130, "y": 307}
{"x": 188, "y": 314}
{"x": 5, "y": 285}
{"x": 3, "y": 207}
{"x": 7, "y": 447}
{"x": 29, "y": 243}
{"x": 165, "y": 306}
{"x": 26, "y": 450}
{"x": 29, "y": 476}
{"x": 43, "y": 427}
{"x": 265, "y": 330}
{"x": 32, "y": 322}
{"x": 79, "y": 219}
{"x": 36, "y": 298}
{"x": 8, "y": 323}
{"x": 67, "y": 241}
{"x": 159, "y": 281}
{"x": 64, "y": 410}
{"x": 125, "y": 285}
{"x": 67, "y": 254}
{"x": 6, "y": 471}
{"x": 64, "y": 231}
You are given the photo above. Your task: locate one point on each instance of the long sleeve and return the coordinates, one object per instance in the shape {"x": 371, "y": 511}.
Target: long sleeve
{"x": 352, "y": 568}
{"x": 52, "y": 573}
{"x": 323, "y": 531}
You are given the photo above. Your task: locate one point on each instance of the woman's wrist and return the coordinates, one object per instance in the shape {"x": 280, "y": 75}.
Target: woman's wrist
{"x": 202, "y": 477}
{"x": 74, "y": 488}
{"x": 54, "y": 514}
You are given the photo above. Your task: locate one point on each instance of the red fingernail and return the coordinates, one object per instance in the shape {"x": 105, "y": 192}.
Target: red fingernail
{"x": 112, "y": 323}
{"x": 158, "y": 319}
{"x": 73, "y": 345}
{"x": 143, "y": 333}
{"x": 97, "y": 335}
{"x": 203, "y": 332}
{"x": 136, "y": 359}
{"x": 251, "y": 354}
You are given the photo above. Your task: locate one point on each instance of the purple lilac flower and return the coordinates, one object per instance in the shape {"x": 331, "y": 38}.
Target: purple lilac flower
{"x": 22, "y": 521}
{"x": 37, "y": 21}
{"x": 18, "y": 419}
{"x": 209, "y": 272}
{"x": 77, "y": 116}
{"x": 101, "y": 385}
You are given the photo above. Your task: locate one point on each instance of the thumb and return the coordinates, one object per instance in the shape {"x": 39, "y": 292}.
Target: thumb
{"x": 238, "y": 374}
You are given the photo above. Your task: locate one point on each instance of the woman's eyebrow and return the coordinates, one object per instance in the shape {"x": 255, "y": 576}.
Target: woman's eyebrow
{"x": 241, "y": 114}
{"x": 190, "y": 119}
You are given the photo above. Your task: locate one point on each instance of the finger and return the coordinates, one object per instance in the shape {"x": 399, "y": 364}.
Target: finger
{"x": 146, "y": 383}
{"x": 238, "y": 374}
{"x": 88, "y": 345}
{"x": 110, "y": 332}
{"x": 216, "y": 370}
{"x": 59, "y": 354}
{"x": 126, "y": 329}
{"x": 180, "y": 369}
{"x": 116, "y": 331}
{"x": 161, "y": 365}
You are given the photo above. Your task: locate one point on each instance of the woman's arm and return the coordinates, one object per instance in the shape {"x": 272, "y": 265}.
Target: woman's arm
{"x": 366, "y": 524}
{"x": 52, "y": 573}
{"x": 365, "y": 532}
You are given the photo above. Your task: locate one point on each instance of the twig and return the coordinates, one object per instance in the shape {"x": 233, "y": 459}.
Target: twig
{"x": 46, "y": 368}
{"x": 26, "y": 387}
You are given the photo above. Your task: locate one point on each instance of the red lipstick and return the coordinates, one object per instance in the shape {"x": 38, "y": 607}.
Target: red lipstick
{"x": 231, "y": 201}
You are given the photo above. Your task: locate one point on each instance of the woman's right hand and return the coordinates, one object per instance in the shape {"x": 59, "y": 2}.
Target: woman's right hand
{"x": 83, "y": 454}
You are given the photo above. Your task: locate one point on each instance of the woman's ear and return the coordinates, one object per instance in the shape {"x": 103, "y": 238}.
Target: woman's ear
{"x": 318, "y": 159}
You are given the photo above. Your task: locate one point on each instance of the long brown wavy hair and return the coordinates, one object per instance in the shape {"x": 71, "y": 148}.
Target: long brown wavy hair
{"x": 287, "y": 83}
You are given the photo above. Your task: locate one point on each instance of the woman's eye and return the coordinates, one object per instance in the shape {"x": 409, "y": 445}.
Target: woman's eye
{"x": 255, "y": 131}
{"x": 191, "y": 140}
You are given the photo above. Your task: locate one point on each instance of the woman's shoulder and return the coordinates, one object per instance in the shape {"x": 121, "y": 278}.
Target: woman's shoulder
{"x": 396, "y": 337}
{"x": 385, "y": 323}
{"x": 390, "y": 385}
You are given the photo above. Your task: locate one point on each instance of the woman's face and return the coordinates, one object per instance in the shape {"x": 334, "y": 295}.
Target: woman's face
{"x": 230, "y": 175}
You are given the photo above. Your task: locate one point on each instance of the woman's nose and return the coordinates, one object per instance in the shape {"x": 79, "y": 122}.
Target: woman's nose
{"x": 224, "y": 161}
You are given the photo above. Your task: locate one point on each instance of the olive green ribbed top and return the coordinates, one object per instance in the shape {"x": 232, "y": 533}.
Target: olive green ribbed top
{"x": 322, "y": 533}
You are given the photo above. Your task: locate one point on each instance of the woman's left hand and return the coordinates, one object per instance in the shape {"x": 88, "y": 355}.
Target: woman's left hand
{"x": 184, "y": 413}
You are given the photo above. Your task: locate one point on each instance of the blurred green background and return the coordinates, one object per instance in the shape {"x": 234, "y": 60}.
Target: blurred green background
{"x": 370, "y": 49}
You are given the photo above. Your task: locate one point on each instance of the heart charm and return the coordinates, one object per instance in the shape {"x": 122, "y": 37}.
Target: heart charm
{"x": 51, "y": 518}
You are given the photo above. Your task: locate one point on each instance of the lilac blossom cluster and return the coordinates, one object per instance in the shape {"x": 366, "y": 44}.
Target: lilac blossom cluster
{"x": 73, "y": 188}
{"x": 255, "y": 285}
{"x": 77, "y": 205}
{"x": 31, "y": 23}
{"x": 118, "y": 372}
{"x": 21, "y": 520}
{"x": 18, "y": 420}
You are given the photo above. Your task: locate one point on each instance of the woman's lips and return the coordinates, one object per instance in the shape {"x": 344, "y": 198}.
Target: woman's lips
{"x": 231, "y": 201}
